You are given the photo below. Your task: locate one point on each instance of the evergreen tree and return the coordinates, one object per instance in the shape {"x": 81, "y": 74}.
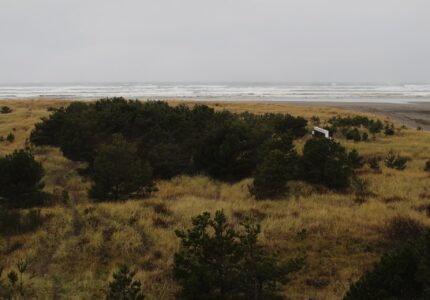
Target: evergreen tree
{"x": 118, "y": 172}
{"x": 21, "y": 180}
{"x": 217, "y": 262}
{"x": 124, "y": 286}
{"x": 326, "y": 162}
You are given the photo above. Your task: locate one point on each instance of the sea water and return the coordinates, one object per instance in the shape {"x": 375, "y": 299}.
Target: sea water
{"x": 338, "y": 92}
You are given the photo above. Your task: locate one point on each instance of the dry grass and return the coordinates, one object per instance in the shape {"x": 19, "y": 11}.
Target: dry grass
{"x": 73, "y": 254}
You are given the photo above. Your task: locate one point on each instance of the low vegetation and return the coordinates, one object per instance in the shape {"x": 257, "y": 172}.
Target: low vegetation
{"x": 330, "y": 231}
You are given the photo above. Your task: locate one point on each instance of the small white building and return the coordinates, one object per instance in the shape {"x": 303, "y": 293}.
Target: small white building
{"x": 321, "y": 132}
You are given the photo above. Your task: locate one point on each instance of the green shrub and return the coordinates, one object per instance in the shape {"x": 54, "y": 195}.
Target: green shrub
{"x": 401, "y": 274}
{"x": 21, "y": 180}
{"x": 10, "y": 137}
{"x": 355, "y": 159}
{"x": 353, "y": 134}
{"x": 124, "y": 286}
{"x": 270, "y": 179}
{"x": 217, "y": 262}
{"x": 389, "y": 129}
{"x": 5, "y": 110}
{"x": 13, "y": 221}
{"x": 119, "y": 173}
{"x": 427, "y": 166}
{"x": 395, "y": 161}
{"x": 374, "y": 163}
{"x": 326, "y": 162}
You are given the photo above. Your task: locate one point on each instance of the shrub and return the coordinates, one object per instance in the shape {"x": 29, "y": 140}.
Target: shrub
{"x": 355, "y": 159}
{"x": 270, "y": 179}
{"x": 14, "y": 287}
{"x": 389, "y": 129}
{"x": 427, "y": 166}
{"x": 118, "y": 172}
{"x": 365, "y": 137}
{"x": 374, "y": 163}
{"x": 361, "y": 189}
{"x": 401, "y": 229}
{"x": 395, "y": 161}
{"x": 21, "y": 180}
{"x": 217, "y": 262}
{"x": 10, "y": 137}
{"x": 326, "y": 162}
{"x": 5, "y": 110}
{"x": 124, "y": 286}
{"x": 402, "y": 274}
{"x": 353, "y": 134}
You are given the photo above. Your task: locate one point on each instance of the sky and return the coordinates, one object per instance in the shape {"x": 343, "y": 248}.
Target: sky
{"x": 381, "y": 41}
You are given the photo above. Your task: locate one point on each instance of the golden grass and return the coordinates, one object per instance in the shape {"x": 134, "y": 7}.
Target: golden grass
{"x": 73, "y": 254}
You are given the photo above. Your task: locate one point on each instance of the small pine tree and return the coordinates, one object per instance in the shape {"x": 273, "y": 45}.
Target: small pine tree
{"x": 119, "y": 173}
{"x": 270, "y": 180}
{"x": 124, "y": 286}
{"x": 355, "y": 159}
{"x": 427, "y": 166}
{"x": 217, "y": 262}
{"x": 374, "y": 164}
{"x": 5, "y": 110}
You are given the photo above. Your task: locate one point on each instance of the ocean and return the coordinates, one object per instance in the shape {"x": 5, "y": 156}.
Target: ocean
{"x": 337, "y": 92}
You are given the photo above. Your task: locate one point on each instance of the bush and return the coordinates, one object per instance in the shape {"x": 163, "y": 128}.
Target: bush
{"x": 21, "y": 180}
{"x": 361, "y": 189}
{"x": 5, "y": 110}
{"x": 124, "y": 286}
{"x": 427, "y": 166}
{"x": 395, "y": 161}
{"x": 217, "y": 262}
{"x": 10, "y": 137}
{"x": 326, "y": 162}
{"x": 401, "y": 229}
{"x": 118, "y": 172}
{"x": 389, "y": 129}
{"x": 374, "y": 163}
{"x": 402, "y": 274}
{"x": 355, "y": 159}
{"x": 353, "y": 134}
{"x": 173, "y": 140}
{"x": 271, "y": 176}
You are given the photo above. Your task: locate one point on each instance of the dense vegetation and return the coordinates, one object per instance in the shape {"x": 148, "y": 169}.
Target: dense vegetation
{"x": 21, "y": 180}
{"x": 217, "y": 262}
{"x": 401, "y": 274}
{"x": 127, "y": 144}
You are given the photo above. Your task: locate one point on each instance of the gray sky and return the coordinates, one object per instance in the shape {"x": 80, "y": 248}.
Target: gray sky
{"x": 217, "y": 40}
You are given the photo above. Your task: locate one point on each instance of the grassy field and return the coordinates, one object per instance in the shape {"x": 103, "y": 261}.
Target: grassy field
{"x": 75, "y": 251}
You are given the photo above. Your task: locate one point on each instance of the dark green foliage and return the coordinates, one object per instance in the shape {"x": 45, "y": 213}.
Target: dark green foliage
{"x": 374, "y": 163}
{"x": 118, "y": 172}
{"x": 427, "y": 166}
{"x": 21, "y": 180}
{"x": 355, "y": 159}
{"x": 217, "y": 262}
{"x": 365, "y": 137}
{"x": 395, "y": 161}
{"x": 124, "y": 286}
{"x": 10, "y": 137}
{"x": 174, "y": 140}
{"x": 326, "y": 162}
{"x": 357, "y": 121}
{"x": 389, "y": 129}
{"x": 403, "y": 274}
{"x": 353, "y": 134}
{"x": 5, "y": 110}
{"x": 13, "y": 221}
{"x": 270, "y": 179}
{"x": 361, "y": 189}
{"x": 400, "y": 229}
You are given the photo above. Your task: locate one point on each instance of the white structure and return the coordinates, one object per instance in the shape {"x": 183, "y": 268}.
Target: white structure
{"x": 319, "y": 131}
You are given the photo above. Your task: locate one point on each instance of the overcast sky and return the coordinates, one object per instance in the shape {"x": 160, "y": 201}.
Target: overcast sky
{"x": 214, "y": 40}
